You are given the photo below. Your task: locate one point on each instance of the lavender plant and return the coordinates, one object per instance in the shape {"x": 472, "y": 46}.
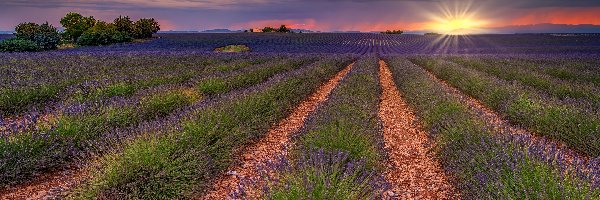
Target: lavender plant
{"x": 65, "y": 139}
{"x": 339, "y": 150}
{"x": 316, "y": 174}
{"x": 184, "y": 159}
{"x": 483, "y": 163}
{"x": 577, "y": 126}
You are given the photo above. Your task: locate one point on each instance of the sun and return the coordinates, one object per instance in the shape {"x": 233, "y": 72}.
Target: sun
{"x": 457, "y": 19}
{"x": 458, "y": 26}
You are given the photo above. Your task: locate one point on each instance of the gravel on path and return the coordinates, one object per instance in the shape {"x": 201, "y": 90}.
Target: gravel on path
{"x": 272, "y": 145}
{"x": 413, "y": 171}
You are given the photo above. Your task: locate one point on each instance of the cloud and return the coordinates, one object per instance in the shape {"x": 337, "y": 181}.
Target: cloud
{"x": 134, "y": 4}
{"x": 325, "y": 15}
{"x": 559, "y": 16}
{"x": 290, "y": 23}
{"x": 554, "y": 3}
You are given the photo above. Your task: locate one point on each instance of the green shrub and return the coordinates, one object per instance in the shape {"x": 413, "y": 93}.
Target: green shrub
{"x": 101, "y": 34}
{"x": 45, "y": 35}
{"x": 18, "y": 45}
{"x": 120, "y": 37}
{"x": 233, "y": 49}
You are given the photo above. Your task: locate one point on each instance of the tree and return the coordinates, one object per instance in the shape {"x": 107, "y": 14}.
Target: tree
{"x": 26, "y": 30}
{"x": 398, "y": 32}
{"x": 102, "y": 34}
{"x": 46, "y": 36}
{"x": 75, "y": 24}
{"x": 283, "y": 29}
{"x": 124, "y": 24}
{"x": 268, "y": 29}
{"x": 144, "y": 28}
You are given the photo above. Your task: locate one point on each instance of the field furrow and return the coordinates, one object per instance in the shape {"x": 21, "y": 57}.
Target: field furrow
{"x": 337, "y": 154}
{"x": 274, "y": 144}
{"x": 187, "y": 157}
{"x": 576, "y": 126}
{"x": 107, "y": 135}
{"x": 482, "y": 162}
{"x": 413, "y": 171}
{"x": 582, "y": 94}
{"x": 109, "y": 91}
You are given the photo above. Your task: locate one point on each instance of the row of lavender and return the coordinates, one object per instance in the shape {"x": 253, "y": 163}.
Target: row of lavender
{"x": 367, "y": 43}
{"x": 564, "y": 110}
{"x": 573, "y": 80}
{"x": 181, "y": 158}
{"x": 33, "y": 81}
{"x": 107, "y": 91}
{"x": 338, "y": 153}
{"x": 71, "y": 132}
{"x": 484, "y": 162}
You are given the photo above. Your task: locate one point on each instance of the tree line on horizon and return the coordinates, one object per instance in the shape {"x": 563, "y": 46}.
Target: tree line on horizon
{"x": 268, "y": 29}
{"x": 395, "y": 32}
{"x": 78, "y": 30}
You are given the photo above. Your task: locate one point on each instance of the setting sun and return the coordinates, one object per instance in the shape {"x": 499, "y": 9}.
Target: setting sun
{"x": 458, "y": 26}
{"x": 458, "y": 18}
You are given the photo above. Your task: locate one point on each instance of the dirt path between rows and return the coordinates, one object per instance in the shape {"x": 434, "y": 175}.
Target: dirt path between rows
{"x": 503, "y": 126}
{"x": 274, "y": 143}
{"x": 47, "y": 186}
{"x": 413, "y": 171}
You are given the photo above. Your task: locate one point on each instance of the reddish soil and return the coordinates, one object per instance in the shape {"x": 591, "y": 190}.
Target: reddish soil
{"x": 274, "y": 143}
{"x": 412, "y": 169}
{"x": 48, "y": 186}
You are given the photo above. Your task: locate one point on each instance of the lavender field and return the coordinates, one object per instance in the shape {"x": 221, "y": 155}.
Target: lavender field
{"x": 305, "y": 116}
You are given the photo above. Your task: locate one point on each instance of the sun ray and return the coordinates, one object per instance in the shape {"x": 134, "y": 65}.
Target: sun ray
{"x": 459, "y": 18}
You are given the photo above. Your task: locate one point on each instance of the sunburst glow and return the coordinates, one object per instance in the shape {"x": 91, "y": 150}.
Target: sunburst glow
{"x": 458, "y": 26}
{"x": 458, "y": 19}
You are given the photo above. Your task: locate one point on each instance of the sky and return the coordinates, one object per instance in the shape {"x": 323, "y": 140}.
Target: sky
{"x": 320, "y": 15}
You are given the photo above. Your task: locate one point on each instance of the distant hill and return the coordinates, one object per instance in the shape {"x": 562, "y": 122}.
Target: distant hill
{"x": 221, "y": 31}
{"x": 346, "y": 32}
{"x": 301, "y": 30}
{"x": 171, "y": 31}
{"x": 6, "y": 32}
{"x": 548, "y": 28}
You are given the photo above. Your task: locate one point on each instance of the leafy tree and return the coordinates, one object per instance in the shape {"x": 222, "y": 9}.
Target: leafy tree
{"x": 268, "y": 29}
{"x": 26, "y": 30}
{"x": 46, "y": 36}
{"x": 283, "y": 29}
{"x": 124, "y": 24}
{"x": 397, "y": 32}
{"x": 75, "y": 24}
{"x": 144, "y": 28}
{"x": 102, "y": 34}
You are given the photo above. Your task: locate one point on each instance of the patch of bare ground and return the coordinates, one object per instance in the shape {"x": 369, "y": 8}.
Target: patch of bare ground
{"x": 272, "y": 145}
{"x": 502, "y": 126}
{"x": 47, "y": 186}
{"x": 413, "y": 171}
